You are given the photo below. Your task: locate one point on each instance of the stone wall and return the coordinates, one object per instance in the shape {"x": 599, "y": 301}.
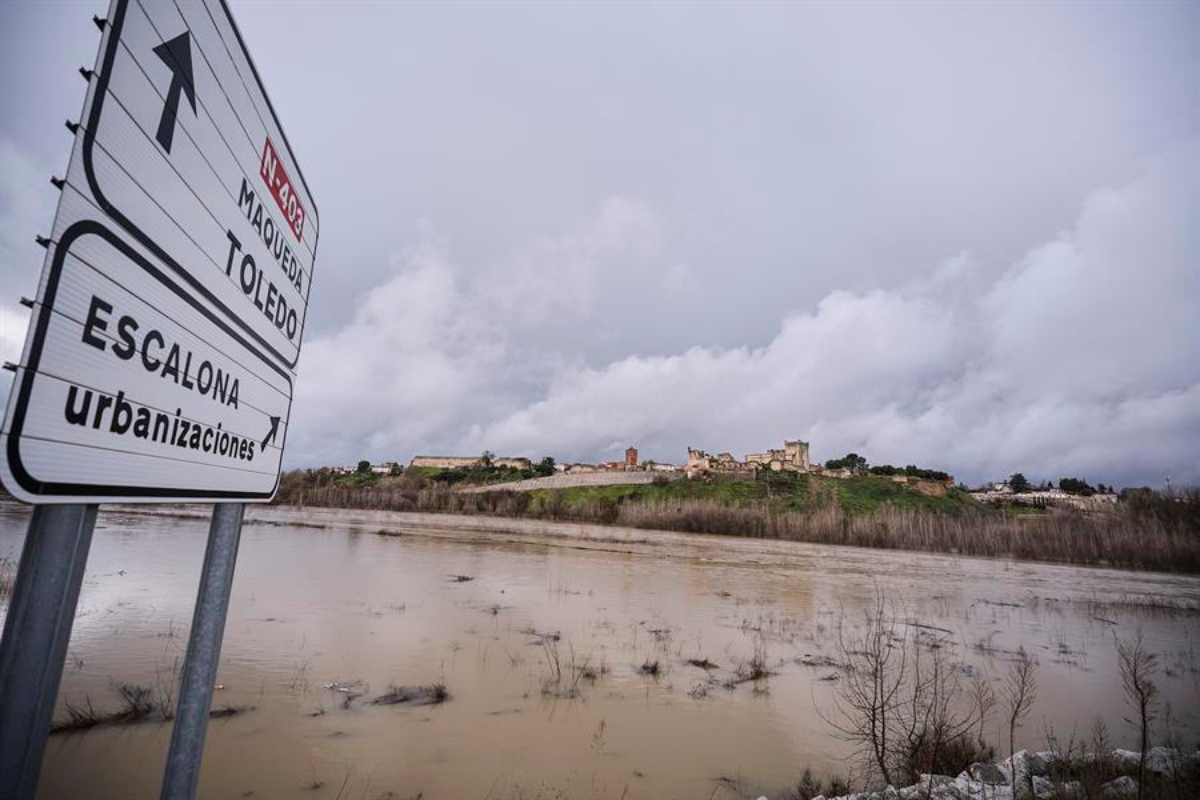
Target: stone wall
{"x": 454, "y": 462}
{"x": 569, "y": 479}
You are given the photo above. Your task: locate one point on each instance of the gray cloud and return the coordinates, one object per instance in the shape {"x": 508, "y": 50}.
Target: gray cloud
{"x": 562, "y": 228}
{"x": 1082, "y": 356}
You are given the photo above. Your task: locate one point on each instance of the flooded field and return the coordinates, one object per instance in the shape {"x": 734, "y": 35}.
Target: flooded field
{"x": 564, "y": 650}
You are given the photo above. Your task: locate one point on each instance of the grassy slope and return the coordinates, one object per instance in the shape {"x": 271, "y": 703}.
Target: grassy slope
{"x": 862, "y": 494}
{"x": 780, "y": 492}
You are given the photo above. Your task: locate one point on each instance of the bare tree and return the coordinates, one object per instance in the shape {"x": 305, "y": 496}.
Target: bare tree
{"x": 902, "y": 701}
{"x": 1138, "y": 668}
{"x": 938, "y": 716}
{"x": 1020, "y": 692}
{"x": 983, "y": 696}
{"x": 867, "y": 697}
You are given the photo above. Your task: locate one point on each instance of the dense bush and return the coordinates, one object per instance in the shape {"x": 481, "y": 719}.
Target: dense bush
{"x": 1076, "y": 486}
{"x": 911, "y": 471}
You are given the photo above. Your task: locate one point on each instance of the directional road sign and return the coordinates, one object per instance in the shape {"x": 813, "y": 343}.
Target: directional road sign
{"x": 162, "y": 349}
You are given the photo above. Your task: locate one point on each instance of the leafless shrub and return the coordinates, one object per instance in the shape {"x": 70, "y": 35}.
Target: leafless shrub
{"x": 1138, "y": 669}
{"x": 903, "y": 705}
{"x": 868, "y": 701}
{"x": 810, "y": 786}
{"x": 938, "y": 716}
{"x": 983, "y": 696}
{"x": 1020, "y": 693}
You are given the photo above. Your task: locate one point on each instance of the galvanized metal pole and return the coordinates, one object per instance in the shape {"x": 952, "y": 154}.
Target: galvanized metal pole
{"x": 203, "y": 654}
{"x": 36, "y": 634}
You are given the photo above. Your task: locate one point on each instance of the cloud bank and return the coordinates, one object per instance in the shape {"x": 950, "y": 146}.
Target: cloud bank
{"x": 1083, "y": 357}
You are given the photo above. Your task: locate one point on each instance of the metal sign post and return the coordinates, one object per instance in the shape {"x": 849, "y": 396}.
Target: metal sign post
{"x": 161, "y": 353}
{"x": 37, "y": 631}
{"x": 203, "y": 653}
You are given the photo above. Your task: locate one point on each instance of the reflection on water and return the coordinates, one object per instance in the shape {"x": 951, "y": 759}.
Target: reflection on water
{"x": 340, "y": 603}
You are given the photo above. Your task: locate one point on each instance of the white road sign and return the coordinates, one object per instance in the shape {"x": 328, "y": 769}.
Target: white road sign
{"x": 162, "y": 349}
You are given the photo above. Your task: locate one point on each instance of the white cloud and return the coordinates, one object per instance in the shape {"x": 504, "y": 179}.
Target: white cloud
{"x": 13, "y": 321}
{"x": 430, "y": 357}
{"x": 26, "y": 209}
{"x": 1083, "y": 357}
{"x": 23, "y": 215}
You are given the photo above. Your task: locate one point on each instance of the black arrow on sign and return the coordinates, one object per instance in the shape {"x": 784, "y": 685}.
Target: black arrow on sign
{"x": 271, "y": 433}
{"x": 177, "y": 55}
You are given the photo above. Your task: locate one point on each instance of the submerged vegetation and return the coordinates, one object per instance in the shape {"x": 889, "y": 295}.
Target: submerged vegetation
{"x": 1146, "y": 530}
{"x": 137, "y": 704}
{"x": 430, "y": 695}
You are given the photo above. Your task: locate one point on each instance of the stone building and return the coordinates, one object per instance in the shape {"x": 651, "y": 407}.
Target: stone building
{"x": 701, "y": 463}
{"x": 455, "y": 462}
{"x": 792, "y": 458}
{"x": 631, "y": 457}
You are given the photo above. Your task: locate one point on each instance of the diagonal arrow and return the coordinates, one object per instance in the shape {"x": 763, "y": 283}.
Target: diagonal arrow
{"x": 177, "y": 55}
{"x": 271, "y": 433}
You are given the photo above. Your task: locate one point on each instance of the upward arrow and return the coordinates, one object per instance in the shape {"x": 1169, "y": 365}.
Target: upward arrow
{"x": 177, "y": 55}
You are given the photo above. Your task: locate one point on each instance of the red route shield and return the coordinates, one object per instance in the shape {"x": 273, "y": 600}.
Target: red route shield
{"x": 276, "y": 178}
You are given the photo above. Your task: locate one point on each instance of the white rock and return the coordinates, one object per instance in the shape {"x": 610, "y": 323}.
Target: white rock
{"x": 1024, "y": 764}
{"x": 985, "y": 772}
{"x": 1119, "y": 789}
{"x": 1126, "y": 759}
{"x": 1159, "y": 760}
{"x": 1071, "y": 790}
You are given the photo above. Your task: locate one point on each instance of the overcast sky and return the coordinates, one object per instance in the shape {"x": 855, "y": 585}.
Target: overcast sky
{"x": 963, "y": 236}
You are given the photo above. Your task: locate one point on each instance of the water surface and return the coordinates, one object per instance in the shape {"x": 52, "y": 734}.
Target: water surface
{"x": 321, "y": 596}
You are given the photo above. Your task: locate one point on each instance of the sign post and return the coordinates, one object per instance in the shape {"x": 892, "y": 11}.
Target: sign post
{"x": 203, "y": 653}
{"x": 36, "y": 633}
{"x": 161, "y": 353}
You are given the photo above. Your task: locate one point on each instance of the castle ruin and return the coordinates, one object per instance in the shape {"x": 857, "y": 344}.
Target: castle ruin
{"x": 793, "y": 457}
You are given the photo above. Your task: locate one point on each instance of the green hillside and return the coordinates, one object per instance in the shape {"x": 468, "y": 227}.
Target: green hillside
{"x": 776, "y": 491}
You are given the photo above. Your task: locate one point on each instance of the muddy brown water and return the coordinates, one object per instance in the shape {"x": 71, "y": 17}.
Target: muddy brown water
{"x": 321, "y": 597}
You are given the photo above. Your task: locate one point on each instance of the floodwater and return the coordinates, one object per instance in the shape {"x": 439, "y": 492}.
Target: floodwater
{"x": 320, "y": 597}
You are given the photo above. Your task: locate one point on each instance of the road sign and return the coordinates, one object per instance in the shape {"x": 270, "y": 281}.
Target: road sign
{"x": 161, "y": 353}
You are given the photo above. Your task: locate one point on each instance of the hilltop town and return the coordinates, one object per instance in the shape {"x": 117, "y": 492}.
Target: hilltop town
{"x": 782, "y": 493}
{"x": 792, "y": 457}
{"x": 490, "y": 472}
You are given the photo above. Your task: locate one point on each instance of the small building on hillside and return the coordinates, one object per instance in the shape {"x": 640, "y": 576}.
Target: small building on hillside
{"x": 456, "y": 462}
